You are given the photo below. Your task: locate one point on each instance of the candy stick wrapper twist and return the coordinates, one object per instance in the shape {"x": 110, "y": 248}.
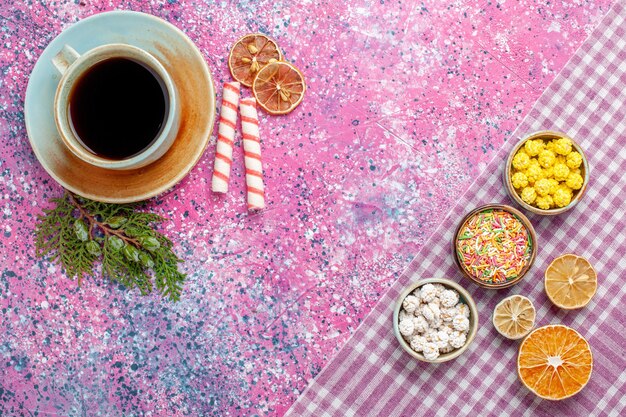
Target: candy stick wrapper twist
{"x": 225, "y": 137}
{"x": 252, "y": 154}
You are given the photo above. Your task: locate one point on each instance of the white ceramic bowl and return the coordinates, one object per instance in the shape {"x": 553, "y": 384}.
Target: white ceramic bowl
{"x": 463, "y": 297}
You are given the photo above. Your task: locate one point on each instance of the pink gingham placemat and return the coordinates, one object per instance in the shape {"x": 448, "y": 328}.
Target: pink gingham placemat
{"x": 372, "y": 376}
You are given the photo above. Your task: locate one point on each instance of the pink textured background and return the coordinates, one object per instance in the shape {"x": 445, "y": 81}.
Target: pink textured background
{"x": 407, "y": 102}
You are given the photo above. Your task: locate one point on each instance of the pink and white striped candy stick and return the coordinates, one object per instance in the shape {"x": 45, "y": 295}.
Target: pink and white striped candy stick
{"x": 225, "y": 137}
{"x": 252, "y": 154}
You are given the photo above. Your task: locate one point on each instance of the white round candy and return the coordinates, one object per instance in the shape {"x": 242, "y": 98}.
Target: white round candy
{"x": 442, "y": 339}
{"x": 403, "y": 315}
{"x": 428, "y": 293}
{"x": 463, "y": 309}
{"x": 446, "y": 349}
{"x": 410, "y": 303}
{"x": 427, "y": 313}
{"x": 406, "y": 327}
{"x": 436, "y": 324}
{"x": 418, "y": 343}
{"x": 431, "y": 335}
{"x": 420, "y": 323}
{"x": 430, "y": 351}
{"x": 439, "y": 288}
{"x": 436, "y": 311}
{"x": 449, "y": 298}
{"x": 448, "y": 313}
{"x": 461, "y": 323}
{"x": 457, "y": 339}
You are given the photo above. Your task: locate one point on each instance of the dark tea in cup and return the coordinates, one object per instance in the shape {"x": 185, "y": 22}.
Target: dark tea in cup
{"x": 117, "y": 108}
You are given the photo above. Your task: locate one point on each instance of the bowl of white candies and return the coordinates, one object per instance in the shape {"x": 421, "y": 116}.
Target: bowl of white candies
{"x": 435, "y": 320}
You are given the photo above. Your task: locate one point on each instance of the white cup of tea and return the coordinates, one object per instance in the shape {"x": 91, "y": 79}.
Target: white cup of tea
{"x": 116, "y": 106}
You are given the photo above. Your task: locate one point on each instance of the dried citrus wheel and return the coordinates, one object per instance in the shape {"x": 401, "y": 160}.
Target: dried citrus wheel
{"x": 279, "y": 87}
{"x": 570, "y": 281}
{"x": 514, "y": 317}
{"x": 250, "y": 54}
{"x": 554, "y": 362}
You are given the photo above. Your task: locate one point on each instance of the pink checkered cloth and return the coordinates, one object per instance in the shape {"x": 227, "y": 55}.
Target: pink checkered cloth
{"x": 373, "y": 376}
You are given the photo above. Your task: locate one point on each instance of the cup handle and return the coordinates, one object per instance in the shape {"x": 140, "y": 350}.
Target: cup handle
{"x": 64, "y": 58}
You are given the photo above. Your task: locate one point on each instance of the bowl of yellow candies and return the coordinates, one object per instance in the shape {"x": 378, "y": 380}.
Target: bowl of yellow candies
{"x": 546, "y": 173}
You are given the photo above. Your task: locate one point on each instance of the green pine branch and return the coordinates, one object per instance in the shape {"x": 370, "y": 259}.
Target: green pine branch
{"x": 78, "y": 231}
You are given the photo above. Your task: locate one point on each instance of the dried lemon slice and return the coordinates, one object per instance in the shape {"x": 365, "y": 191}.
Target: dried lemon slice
{"x": 554, "y": 362}
{"x": 251, "y": 53}
{"x": 570, "y": 281}
{"x": 514, "y": 317}
{"x": 279, "y": 87}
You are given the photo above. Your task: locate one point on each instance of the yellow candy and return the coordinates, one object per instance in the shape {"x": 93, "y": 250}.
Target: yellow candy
{"x": 554, "y": 184}
{"x": 563, "y": 146}
{"x": 548, "y": 172}
{"x": 574, "y": 181}
{"x": 543, "y": 187}
{"x": 574, "y": 160}
{"x": 546, "y": 158}
{"x": 533, "y": 174}
{"x": 545, "y": 202}
{"x": 560, "y": 159}
{"x": 519, "y": 180}
{"x": 561, "y": 172}
{"x": 521, "y": 160}
{"x": 533, "y": 147}
{"x": 550, "y": 145}
{"x": 563, "y": 186}
{"x": 562, "y": 197}
{"x": 529, "y": 195}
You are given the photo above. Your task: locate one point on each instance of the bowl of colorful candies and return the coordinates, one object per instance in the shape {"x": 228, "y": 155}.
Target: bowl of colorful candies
{"x": 494, "y": 246}
{"x": 546, "y": 173}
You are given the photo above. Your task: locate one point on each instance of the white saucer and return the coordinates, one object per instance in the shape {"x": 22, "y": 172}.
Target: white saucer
{"x": 190, "y": 73}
